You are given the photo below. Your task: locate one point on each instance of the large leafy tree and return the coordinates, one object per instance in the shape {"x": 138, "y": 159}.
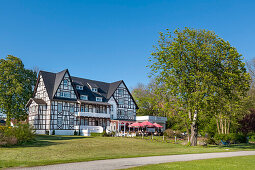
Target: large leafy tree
{"x": 198, "y": 68}
{"x": 16, "y": 85}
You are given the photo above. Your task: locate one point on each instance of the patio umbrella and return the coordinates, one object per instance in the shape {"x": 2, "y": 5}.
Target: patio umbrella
{"x": 147, "y": 123}
{"x": 157, "y": 125}
{"x": 136, "y": 125}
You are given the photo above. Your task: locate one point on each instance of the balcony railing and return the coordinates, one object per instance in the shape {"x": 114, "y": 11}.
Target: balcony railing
{"x": 90, "y": 129}
{"x": 125, "y": 117}
{"x": 90, "y": 114}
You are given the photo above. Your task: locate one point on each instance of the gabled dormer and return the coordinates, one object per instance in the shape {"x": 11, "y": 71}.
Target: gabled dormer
{"x": 93, "y": 87}
{"x": 63, "y": 87}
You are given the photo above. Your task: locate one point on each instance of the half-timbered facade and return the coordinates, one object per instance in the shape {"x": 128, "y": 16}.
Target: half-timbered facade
{"x": 63, "y": 104}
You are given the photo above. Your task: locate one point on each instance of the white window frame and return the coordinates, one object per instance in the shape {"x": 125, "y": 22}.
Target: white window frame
{"x": 120, "y": 99}
{"x": 86, "y": 97}
{"x": 99, "y": 99}
{"x": 65, "y": 84}
{"x": 78, "y": 87}
{"x": 94, "y": 90}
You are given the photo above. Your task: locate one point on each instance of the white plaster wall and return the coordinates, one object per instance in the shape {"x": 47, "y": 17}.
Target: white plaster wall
{"x": 40, "y": 132}
{"x": 64, "y": 132}
{"x": 114, "y": 107}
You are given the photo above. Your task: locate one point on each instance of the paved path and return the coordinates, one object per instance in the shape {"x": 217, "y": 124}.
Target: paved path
{"x": 139, "y": 161}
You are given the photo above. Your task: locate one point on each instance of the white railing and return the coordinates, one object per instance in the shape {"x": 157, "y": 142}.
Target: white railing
{"x": 90, "y": 114}
{"x": 90, "y": 129}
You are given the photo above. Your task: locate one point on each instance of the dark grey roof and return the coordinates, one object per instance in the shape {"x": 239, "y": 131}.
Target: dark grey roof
{"x": 105, "y": 90}
{"x": 53, "y": 80}
{"x": 37, "y": 101}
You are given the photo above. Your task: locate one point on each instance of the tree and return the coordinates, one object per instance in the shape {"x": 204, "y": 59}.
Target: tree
{"x": 144, "y": 98}
{"x": 197, "y": 68}
{"x": 248, "y": 122}
{"x": 15, "y": 87}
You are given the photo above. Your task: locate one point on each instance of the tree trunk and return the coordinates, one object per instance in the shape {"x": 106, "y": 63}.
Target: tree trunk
{"x": 228, "y": 126}
{"x": 221, "y": 125}
{"x": 218, "y": 126}
{"x": 225, "y": 126}
{"x": 193, "y": 138}
{"x": 188, "y": 134}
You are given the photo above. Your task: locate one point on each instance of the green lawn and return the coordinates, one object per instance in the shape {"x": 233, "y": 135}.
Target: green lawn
{"x": 233, "y": 163}
{"x": 63, "y": 149}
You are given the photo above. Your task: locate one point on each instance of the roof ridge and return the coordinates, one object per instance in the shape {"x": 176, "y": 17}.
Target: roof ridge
{"x": 91, "y": 80}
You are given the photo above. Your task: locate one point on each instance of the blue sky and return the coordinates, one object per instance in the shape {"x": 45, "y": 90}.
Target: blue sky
{"x": 112, "y": 40}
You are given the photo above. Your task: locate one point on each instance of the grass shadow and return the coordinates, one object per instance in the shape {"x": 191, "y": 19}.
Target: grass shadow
{"x": 46, "y": 140}
{"x": 56, "y": 137}
{"x": 243, "y": 146}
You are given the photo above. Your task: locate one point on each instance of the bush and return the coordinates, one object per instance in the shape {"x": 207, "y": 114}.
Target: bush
{"x": 75, "y": 133}
{"x": 171, "y": 133}
{"x": 22, "y": 133}
{"x": 230, "y": 138}
{"x": 53, "y": 132}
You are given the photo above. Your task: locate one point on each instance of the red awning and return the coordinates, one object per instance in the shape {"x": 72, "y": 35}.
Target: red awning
{"x": 147, "y": 123}
{"x": 157, "y": 125}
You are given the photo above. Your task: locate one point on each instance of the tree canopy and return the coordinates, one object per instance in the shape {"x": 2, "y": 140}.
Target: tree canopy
{"x": 16, "y": 85}
{"x": 200, "y": 71}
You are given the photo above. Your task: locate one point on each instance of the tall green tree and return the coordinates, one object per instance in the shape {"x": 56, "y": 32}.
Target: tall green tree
{"x": 197, "y": 67}
{"x": 16, "y": 85}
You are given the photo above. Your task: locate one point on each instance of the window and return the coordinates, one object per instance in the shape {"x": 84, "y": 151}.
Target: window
{"x": 84, "y": 97}
{"x": 121, "y": 101}
{"x": 78, "y": 87}
{"x": 65, "y": 84}
{"x": 59, "y": 122}
{"x": 82, "y": 108}
{"x": 121, "y": 112}
{"x": 91, "y": 108}
{"x": 121, "y": 92}
{"x": 99, "y": 99}
{"x": 65, "y": 94}
{"x": 86, "y": 108}
{"x": 86, "y": 122}
{"x": 71, "y": 108}
{"x": 59, "y": 107}
{"x": 130, "y": 113}
{"x": 94, "y": 89}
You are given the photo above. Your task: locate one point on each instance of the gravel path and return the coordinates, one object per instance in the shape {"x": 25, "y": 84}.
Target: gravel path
{"x": 139, "y": 161}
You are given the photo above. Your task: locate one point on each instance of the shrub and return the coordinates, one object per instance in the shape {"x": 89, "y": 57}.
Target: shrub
{"x": 22, "y": 133}
{"x": 171, "y": 133}
{"x": 230, "y": 138}
{"x": 53, "y": 132}
{"x": 75, "y": 133}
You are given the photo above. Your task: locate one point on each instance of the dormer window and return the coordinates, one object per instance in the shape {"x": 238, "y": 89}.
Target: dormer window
{"x": 94, "y": 89}
{"x": 84, "y": 97}
{"x": 99, "y": 99}
{"x": 78, "y": 87}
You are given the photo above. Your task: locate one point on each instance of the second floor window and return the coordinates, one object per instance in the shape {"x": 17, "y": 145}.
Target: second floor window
{"x": 65, "y": 94}
{"x": 121, "y": 92}
{"x": 121, "y": 101}
{"x": 84, "y": 97}
{"x": 59, "y": 107}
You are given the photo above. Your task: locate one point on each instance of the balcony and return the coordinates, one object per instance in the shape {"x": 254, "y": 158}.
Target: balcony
{"x": 90, "y": 114}
{"x": 125, "y": 117}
